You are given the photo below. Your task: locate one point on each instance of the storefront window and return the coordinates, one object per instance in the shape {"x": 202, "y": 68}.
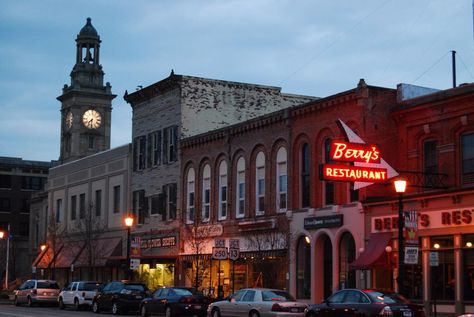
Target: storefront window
{"x": 442, "y": 276}
{"x": 347, "y": 255}
{"x": 157, "y": 275}
{"x": 303, "y": 269}
{"x": 468, "y": 265}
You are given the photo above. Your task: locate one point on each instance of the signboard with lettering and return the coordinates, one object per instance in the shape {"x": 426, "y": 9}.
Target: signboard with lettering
{"x": 411, "y": 227}
{"x": 434, "y": 258}
{"x": 411, "y": 255}
{"x": 134, "y": 264}
{"x": 158, "y": 242}
{"x": 219, "y": 253}
{"x": 220, "y": 243}
{"x": 323, "y": 222}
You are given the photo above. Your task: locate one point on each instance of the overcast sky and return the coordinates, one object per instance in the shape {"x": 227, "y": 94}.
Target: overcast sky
{"x": 311, "y": 47}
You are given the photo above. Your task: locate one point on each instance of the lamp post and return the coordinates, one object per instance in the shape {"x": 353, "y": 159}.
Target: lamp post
{"x": 400, "y": 187}
{"x": 6, "y": 235}
{"x": 128, "y": 223}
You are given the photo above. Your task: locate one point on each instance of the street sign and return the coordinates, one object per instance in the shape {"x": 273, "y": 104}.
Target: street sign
{"x": 411, "y": 255}
{"x": 219, "y": 253}
{"x": 219, "y": 243}
{"x": 134, "y": 264}
{"x": 434, "y": 258}
{"x": 234, "y": 254}
{"x": 234, "y": 243}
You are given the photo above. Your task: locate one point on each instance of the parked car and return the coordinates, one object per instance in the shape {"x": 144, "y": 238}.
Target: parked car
{"x": 257, "y": 302}
{"x": 37, "y": 292}
{"x": 78, "y": 294}
{"x": 175, "y": 301}
{"x": 119, "y": 296}
{"x": 365, "y": 303}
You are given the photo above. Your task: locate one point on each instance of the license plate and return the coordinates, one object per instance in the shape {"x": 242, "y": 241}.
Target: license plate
{"x": 197, "y": 306}
{"x": 138, "y": 297}
{"x": 407, "y": 313}
{"x": 294, "y": 310}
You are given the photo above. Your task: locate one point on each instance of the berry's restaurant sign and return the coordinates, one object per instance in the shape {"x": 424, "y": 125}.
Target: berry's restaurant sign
{"x": 368, "y": 166}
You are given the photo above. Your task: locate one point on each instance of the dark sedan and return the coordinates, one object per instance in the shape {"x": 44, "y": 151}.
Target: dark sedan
{"x": 175, "y": 301}
{"x": 119, "y": 296}
{"x": 365, "y": 303}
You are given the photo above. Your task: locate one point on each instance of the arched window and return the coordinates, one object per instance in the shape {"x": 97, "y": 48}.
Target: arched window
{"x": 282, "y": 180}
{"x": 303, "y": 268}
{"x": 240, "y": 189}
{"x": 190, "y": 187}
{"x": 328, "y": 186}
{"x": 260, "y": 184}
{"x": 222, "y": 190}
{"x": 305, "y": 176}
{"x": 346, "y": 256}
{"x": 206, "y": 193}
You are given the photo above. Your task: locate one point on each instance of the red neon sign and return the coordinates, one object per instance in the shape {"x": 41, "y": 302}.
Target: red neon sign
{"x": 354, "y": 152}
{"x": 341, "y": 172}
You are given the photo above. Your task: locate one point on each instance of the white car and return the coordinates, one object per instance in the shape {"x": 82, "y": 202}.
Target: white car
{"x": 257, "y": 302}
{"x": 78, "y": 294}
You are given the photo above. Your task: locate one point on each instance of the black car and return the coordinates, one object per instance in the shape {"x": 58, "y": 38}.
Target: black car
{"x": 120, "y": 296}
{"x": 365, "y": 303}
{"x": 175, "y": 301}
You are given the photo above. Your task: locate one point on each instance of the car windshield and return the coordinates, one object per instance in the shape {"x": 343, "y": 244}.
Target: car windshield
{"x": 135, "y": 287}
{"x": 182, "y": 292}
{"x": 388, "y": 298}
{"x": 89, "y": 287}
{"x": 276, "y": 296}
{"x": 48, "y": 285}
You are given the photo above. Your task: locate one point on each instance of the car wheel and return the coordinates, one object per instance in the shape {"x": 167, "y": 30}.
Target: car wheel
{"x": 16, "y": 302}
{"x": 216, "y": 312}
{"x": 168, "y": 312}
{"x": 115, "y": 309}
{"x": 143, "y": 311}
{"x": 311, "y": 314}
{"x": 76, "y": 304}
{"x": 61, "y": 303}
{"x": 29, "y": 302}
{"x": 254, "y": 314}
{"x": 95, "y": 307}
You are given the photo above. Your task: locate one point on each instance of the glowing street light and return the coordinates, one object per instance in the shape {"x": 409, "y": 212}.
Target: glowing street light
{"x": 400, "y": 187}
{"x": 128, "y": 224}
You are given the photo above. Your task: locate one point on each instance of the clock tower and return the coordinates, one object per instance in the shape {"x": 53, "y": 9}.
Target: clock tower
{"x": 86, "y": 104}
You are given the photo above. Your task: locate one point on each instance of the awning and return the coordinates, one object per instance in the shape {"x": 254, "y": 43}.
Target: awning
{"x": 68, "y": 254}
{"x": 374, "y": 253}
{"x": 46, "y": 258}
{"x": 101, "y": 250}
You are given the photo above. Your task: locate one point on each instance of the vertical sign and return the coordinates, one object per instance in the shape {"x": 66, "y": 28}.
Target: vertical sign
{"x": 219, "y": 251}
{"x": 411, "y": 227}
{"x": 234, "y": 249}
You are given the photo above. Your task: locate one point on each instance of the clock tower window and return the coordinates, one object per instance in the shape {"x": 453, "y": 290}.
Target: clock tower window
{"x": 91, "y": 142}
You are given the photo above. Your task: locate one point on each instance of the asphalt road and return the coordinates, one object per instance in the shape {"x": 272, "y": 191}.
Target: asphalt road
{"x": 47, "y": 311}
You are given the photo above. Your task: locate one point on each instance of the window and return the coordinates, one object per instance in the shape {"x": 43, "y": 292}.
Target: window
{"x": 24, "y": 229}
{"x": 154, "y": 148}
{"x": 5, "y": 181}
{"x": 222, "y": 190}
{"x": 303, "y": 268}
{"x": 468, "y": 259}
{"x": 166, "y": 203}
{"x": 430, "y": 160}
{"x": 206, "y": 193}
{"x": 467, "y": 156}
{"x": 442, "y": 276}
{"x": 140, "y": 204}
{"x": 98, "y": 202}
{"x": 282, "y": 179}
{"x": 139, "y": 152}
{"x": 260, "y": 184}
{"x": 73, "y": 207}
{"x": 59, "y": 210}
{"x": 328, "y": 186}
{"x": 116, "y": 199}
{"x": 240, "y": 192}
{"x": 190, "y": 191}
{"x": 32, "y": 182}
{"x": 25, "y": 206}
{"x": 170, "y": 146}
{"x": 91, "y": 142}
{"x": 82, "y": 206}
{"x": 305, "y": 176}
{"x": 5, "y": 204}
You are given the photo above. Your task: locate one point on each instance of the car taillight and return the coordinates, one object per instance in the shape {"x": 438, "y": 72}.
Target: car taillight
{"x": 185, "y": 299}
{"x": 34, "y": 291}
{"x": 276, "y": 307}
{"x": 386, "y": 311}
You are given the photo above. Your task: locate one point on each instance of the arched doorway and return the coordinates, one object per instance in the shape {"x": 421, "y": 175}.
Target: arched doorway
{"x": 303, "y": 268}
{"x": 323, "y": 261}
{"x": 347, "y": 277}
{"x": 327, "y": 265}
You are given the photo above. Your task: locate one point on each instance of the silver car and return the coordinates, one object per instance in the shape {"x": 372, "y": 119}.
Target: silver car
{"x": 37, "y": 291}
{"x": 257, "y": 302}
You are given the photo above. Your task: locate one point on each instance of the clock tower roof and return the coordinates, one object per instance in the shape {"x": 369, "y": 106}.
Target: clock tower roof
{"x": 88, "y": 31}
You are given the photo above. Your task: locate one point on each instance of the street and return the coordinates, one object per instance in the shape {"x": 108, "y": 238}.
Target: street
{"x": 47, "y": 311}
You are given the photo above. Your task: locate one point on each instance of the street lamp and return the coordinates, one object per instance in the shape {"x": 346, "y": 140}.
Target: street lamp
{"x": 6, "y": 235}
{"x": 400, "y": 187}
{"x": 128, "y": 223}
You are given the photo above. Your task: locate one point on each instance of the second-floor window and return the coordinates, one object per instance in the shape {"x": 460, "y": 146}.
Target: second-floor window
{"x": 170, "y": 146}
{"x": 240, "y": 192}
{"x": 467, "y": 157}
{"x": 282, "y": 179}
{"x": 190, "y": 208}
{"x": 59, "y": 210}
{"x": 222, "y": 190}
{"x": 116, "y": 199}
{"x": 98, "y": 202}
{"x": 328, "y": 186}
{"x": 154, "y": 148}
{"x": 260, "y": 184}
{"x": 73, "y": 207}
{"x": 305, "y": 176}
{"x": 139, "y": 153}
{"x": 82, "y": 206}
{"x": 140, "y": 205}
{"x": 206, "y": 193}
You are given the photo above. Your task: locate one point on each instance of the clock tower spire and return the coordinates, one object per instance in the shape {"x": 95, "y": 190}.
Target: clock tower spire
{"x": 86, "y": 104}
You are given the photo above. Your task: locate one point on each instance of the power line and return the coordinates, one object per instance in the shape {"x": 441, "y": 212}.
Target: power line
{"x": 433, "y": 65}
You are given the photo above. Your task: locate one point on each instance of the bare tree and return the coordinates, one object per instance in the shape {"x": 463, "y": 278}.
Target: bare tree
{"x": 55, "y": 234}
{"x": 197, "y": 238}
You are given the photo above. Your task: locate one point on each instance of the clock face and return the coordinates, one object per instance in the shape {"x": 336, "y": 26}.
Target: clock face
{"x": 91, "y": 119}
{"x": 69, "y": 119}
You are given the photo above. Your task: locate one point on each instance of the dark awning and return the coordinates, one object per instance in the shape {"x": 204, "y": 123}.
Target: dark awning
{"x": 102, "y": 250}
{"x": 374, "y": 253}
{"x": 47, "y": 257}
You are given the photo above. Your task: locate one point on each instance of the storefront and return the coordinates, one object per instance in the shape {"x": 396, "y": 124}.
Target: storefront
{"x": 155, "y": 255}
{"x": 219, "y": 265}
{"x": 323, "y": 243}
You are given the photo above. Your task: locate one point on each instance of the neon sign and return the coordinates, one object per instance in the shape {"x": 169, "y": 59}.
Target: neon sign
{"x": 364, "y": 155}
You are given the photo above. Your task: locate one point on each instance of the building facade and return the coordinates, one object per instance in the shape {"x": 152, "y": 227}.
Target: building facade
{"x": 164, "y": 113}
{"x": 19, "y": 180}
